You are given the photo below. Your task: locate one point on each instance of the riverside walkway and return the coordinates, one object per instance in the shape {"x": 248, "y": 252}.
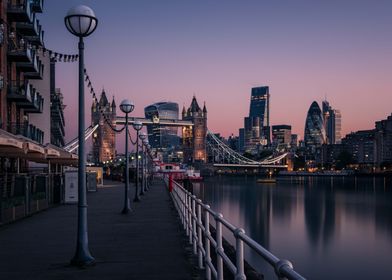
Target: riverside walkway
{"x": 148, "y": 243}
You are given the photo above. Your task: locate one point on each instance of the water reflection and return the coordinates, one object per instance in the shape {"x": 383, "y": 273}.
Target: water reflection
{"x": 319, "y": 214}
{"x": 327, "y": 226}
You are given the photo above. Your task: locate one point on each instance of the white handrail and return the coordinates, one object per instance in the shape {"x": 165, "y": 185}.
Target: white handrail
{"x": 196, "y": 223}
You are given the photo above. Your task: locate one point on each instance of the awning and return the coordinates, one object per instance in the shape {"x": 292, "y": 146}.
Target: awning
{"x": 10, "y": 146}
{"x": 60, "y": 156}
{"x": 18, "y": 146}
{"x": 51, "y": 153}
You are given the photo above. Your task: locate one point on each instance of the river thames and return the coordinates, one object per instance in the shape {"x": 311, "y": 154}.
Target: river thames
{"x": 328, "y": 227}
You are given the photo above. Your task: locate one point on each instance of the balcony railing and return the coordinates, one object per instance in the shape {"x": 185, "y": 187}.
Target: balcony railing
{"x": 35, "y": 74}
{"x": 19, "y": 11}
{"x": 30, "y": 66}
{"x": 27, "y": 130}
{"x": 37, "y": 39}
{"x": 29, "y": 28}
{"x": 36, "y": 105}
{"x": 37, "y": 6}
{"x": 18, "y": 51}
{"x": 19, "y": 91}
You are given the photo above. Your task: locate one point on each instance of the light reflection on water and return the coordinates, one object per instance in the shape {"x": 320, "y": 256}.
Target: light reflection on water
{"x": 329, "y": 227}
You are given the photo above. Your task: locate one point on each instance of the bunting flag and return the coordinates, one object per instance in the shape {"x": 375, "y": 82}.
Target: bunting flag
{"x": 100, "y": 109}
{"x": 58, "y": 57}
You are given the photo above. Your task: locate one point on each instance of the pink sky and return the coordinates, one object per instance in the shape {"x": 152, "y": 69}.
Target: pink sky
{"x": 218, "y": 51}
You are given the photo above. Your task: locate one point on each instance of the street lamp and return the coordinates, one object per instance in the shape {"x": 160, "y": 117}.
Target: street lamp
{"x": 137, "y": 125}
{"x": 127, "y": 107}
{"x": 142, "y": 137}
{"x": 145, "y": 143}
{"x": 81, "y": 22}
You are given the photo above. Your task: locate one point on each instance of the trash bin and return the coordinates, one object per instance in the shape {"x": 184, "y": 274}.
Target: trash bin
{"x": 91, "y": 181}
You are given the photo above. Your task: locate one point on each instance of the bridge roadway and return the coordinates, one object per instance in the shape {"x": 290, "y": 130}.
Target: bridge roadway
{"x": 146, "y": 244}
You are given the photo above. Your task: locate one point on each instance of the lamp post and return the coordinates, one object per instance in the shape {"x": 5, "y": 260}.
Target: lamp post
{"x": 127, "y": 107}
{"x": 142, "y": 137}
{"x": 81, "y": 22}
{"x": 145, "y": 144}
{"x": 149, "y": 171}
{"x": 137, "y": 125}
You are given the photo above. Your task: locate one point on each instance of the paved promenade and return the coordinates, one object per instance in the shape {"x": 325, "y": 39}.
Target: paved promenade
{"x": 148, "y": 243}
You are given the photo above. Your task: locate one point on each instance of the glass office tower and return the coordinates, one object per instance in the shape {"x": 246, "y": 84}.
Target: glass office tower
{"x": 314, "y": 128}
{"x": 162, "y": 137}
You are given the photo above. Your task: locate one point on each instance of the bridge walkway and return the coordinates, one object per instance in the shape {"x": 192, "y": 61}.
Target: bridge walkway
{"x": 148, "y": 243}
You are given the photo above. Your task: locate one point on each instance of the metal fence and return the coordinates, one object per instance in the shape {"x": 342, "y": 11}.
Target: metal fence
{"x": 195, "y": 217}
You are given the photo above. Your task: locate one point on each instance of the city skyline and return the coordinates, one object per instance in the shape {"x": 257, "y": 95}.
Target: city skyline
{"x": 218, "y": 51}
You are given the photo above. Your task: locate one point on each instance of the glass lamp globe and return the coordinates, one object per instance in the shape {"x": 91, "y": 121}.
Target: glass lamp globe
{"x": 81, "y": 21}
{"x": 126, "y": 106}
{"x": 137, "y": 125}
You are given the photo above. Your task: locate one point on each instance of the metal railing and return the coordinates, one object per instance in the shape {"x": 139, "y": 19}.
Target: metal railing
{"x": 28, "y": 130}
{"x": 195, "y": 217}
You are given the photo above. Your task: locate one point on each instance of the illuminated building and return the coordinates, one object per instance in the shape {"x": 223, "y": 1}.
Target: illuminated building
{"x": 256, "y": 126}
{"x": 314, "y": 135}
{"x": 281, "y": 136}
{"x": 384, "y": 141}
{"x": 162, "y": 137}
{"x": 332, "y": 124}
{"x": 194, "y": 137}
{"x": 104, "y": 138}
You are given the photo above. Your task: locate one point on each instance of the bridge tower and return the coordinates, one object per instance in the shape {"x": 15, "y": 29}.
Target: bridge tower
{"x": 194, "y": 138}
{"x": 104, "y": 138}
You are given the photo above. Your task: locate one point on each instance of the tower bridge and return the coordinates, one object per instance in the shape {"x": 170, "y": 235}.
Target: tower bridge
{"x": 198, "y": 143}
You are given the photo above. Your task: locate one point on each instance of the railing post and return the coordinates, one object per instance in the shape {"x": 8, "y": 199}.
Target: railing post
{"x": 219, "y": 246}
{"x": 199, "y": 234}
{"x": 190, "y": 218}
{"x": 183, "y": 207}
{"x": 194, "y": 226}
{"x": 207, "y": 233}
{"x": 186, "y": 214}
{"x": 240, "y": 274}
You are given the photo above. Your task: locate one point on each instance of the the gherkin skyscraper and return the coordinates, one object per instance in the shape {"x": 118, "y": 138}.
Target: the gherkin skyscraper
{"x": 314, "y": 128}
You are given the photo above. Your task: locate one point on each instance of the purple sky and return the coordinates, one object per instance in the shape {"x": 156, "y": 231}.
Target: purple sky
{"x": 154, "y": 50}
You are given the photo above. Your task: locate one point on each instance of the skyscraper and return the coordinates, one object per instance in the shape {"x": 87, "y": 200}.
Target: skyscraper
{"x": 104, "y": 138}
{"x": 259, "y": 107}
{"x": 314, "y": 128}
{"x": 332, "y": 123}
{"x": 256, "y": 126}
{"x": 281, "y": 136}
{"x": 164, "y": 137}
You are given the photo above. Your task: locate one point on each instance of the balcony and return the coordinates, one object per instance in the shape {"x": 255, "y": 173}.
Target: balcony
{"x": 37, "y": 39}
{"x": 19, "y": 91}
{"x": 35, "y": 106}
{"x": 19, "y": 52}
{"x": 27, "y": 130}
{"x": 29, "y": 66}
{"x": 35, "y": 75}
{"x": 32, "y": 28}
{"x": 37, "y": 6}
{"x": 19, "y": 10}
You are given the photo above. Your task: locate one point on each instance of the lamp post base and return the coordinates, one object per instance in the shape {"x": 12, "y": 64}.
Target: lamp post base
{"x": 82, "y": 259}
{"x": 126, "y": 210}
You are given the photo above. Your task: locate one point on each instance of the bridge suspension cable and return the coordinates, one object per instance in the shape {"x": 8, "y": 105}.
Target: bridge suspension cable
{"x": 74, "y": 144}
{"x": 228, "y": 155}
